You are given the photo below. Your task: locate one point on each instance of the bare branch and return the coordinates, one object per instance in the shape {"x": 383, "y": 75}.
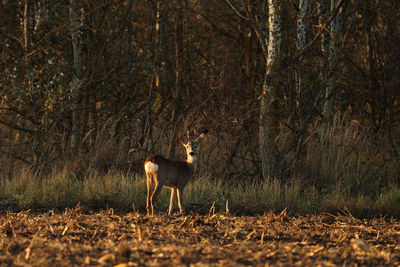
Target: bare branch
{"x": 21, "y": 113}
{"x": 236, "y": 11}
{"x": 16, "y": 127}
{"x": 15, "y": 156}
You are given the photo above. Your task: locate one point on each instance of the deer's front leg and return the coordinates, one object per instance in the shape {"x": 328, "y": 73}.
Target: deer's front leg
{"x": 180, "y": 195}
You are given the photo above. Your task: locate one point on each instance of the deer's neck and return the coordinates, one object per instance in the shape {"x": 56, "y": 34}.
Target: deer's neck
{"x": 190, "y": 159}
{"x": 191, "y": 162}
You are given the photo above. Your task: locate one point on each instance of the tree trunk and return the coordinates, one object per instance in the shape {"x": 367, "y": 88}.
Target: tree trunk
{"x": 324, "y": 43}
{"x": 301, "y": 41}
{"x": 76, "y": 78}
{"x": 324, "y": 34}
{"x": 268, "y": 110}
{"x": 28, "y": 13}
{"x": 158, "y": 43}
{"x": 332, "y": 64}
{"x": 178, "y": 78}
{"x": 378, "y": 102}
{"x": 147, "y": 144}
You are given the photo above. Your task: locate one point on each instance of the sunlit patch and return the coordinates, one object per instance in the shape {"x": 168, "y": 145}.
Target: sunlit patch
{"x": 151, "y": 167}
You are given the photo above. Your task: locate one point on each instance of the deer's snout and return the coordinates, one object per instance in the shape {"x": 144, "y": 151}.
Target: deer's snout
{"x": 191, "y": 153}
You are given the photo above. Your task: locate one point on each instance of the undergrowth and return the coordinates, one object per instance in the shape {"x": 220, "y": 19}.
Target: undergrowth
{"x": 123, "y": 192}
{"x": 343, "y": 169}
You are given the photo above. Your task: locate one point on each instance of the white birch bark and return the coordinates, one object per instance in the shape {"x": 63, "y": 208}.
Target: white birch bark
{"x": 268, "y": 120}
{"x": 301, "y": 40}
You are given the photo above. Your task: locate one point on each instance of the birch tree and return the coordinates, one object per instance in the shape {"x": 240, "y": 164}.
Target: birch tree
{"x": 268, "y": 109}
{"x": 269, "y": 36}
{"x": 332, "y": 63}
{"x": 301, "y": 40}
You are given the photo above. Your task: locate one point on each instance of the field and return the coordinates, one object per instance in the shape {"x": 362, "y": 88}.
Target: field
{"x": 79, "y": 237}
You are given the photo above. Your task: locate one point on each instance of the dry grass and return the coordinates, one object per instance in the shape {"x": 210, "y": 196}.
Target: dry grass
{"x": 59, "y": 190}
{"x": 344, "y": 169}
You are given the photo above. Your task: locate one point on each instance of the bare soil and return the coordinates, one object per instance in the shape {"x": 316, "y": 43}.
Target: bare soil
{"x": 76, "y": 238}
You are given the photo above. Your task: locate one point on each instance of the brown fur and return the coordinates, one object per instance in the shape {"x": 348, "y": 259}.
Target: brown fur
{"x": 174, "y": 174}
{"x": 177, "y": 169}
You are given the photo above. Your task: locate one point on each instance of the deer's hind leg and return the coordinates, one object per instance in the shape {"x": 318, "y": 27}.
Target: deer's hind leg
{"x": 157, "y": 189}
{"x": 149, "y": 183}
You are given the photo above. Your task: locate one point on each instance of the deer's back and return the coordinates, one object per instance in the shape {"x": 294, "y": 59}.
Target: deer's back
{"x": 172, "y": 172}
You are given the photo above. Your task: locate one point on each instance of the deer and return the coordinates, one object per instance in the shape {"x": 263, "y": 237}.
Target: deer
{"x": 174, "y": 174}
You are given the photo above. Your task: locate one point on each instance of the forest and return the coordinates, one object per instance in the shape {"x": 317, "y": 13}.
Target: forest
{"x": 300, "y": 99}
{"x": 296, "y": 103}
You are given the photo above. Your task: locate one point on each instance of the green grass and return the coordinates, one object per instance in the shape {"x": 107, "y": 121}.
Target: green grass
{"x": 63, "y": 189}
{"x": 60, "y": 190}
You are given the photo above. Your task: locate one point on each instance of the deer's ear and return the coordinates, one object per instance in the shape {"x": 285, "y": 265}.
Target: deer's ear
{"x": 203, "y": 133}
{"x": 182, "y": 143}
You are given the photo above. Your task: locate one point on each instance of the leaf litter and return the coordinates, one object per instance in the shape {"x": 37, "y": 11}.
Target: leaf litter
{"x": 78, "y": 237}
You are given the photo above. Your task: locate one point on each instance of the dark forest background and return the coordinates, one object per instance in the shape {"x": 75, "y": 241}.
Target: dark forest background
{"x": 100, "y": 85}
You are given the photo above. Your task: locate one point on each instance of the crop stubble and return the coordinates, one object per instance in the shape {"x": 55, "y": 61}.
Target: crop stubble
{"x": 76, "y": 237}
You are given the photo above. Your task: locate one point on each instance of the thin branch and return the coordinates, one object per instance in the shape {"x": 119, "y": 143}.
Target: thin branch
{"x": 236, "y": 11}
{"x": 15, "y": 157}
{"x": 300, "y": 132}
{"x": 255, "y": 23}
{"x": 260, "y": 36}
{"x": 16, "y": 127}
{"x": 25, "y": 115}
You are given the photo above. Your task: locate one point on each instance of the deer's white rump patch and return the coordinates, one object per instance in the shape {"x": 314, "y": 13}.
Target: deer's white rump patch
{"x": 151, "y": 167}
